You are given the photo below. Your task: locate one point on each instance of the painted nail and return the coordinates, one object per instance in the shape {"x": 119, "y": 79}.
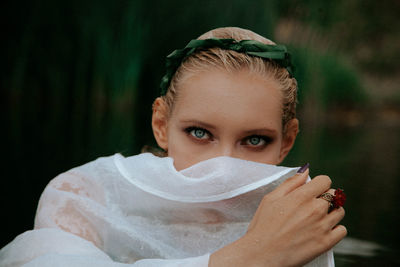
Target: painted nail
{"x": 303, "y": 168}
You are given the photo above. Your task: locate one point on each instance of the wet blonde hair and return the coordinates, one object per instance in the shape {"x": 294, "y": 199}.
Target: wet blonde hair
{"x": 234, "y": 61}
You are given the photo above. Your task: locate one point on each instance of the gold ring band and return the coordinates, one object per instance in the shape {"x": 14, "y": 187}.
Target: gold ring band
{"x": 328, "y": 197}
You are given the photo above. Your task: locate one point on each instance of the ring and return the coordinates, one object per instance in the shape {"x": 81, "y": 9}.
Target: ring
{"x": 328, "y": 197}
{"x": 335, "y": 201}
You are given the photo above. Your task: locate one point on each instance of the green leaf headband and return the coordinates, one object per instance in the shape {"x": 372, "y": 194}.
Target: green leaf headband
{"x": 277, "y": 53}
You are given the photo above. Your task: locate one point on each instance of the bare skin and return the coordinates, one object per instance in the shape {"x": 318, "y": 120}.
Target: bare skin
{"x": 227, "y": 110}
{"x": 299, "y": 227}
{"x": 240, "y": 115}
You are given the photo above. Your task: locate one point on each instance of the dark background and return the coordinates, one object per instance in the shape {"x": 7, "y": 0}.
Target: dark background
{"x": 78, "y": 79}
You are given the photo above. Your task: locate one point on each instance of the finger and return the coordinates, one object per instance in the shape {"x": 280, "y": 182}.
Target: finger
{"x": 328, "y": 203}
{"x": 337, "y": 234}
{"x": 290, "y": 184}
{"x": 315, "y": 187}
{"x": 334, "y": 217}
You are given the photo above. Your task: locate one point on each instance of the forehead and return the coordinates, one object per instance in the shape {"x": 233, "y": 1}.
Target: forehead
{"x": 223, "y": 97}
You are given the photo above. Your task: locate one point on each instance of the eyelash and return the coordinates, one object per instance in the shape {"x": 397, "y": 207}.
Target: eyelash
{"x": 266, "y": 139}
{"x": 188, "y": 131}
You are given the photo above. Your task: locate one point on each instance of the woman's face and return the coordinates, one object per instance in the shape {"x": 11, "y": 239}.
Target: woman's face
{"x": 224, "y": 114}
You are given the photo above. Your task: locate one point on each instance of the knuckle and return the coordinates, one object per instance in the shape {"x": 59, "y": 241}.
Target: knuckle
{"x": 326, "y": 179}
{"x": 342, "y": 211}
{"x": 343, "y": 230}
{"x": 301, "y": 195}
{"x": 319, "y": 208}
{"x": 323, "y": 203}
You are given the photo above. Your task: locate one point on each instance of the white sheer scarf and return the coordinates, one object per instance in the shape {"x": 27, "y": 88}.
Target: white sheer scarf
{"x": 139, "y": 210}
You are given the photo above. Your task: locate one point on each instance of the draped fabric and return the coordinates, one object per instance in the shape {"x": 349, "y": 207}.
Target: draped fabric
{"x": 139, "y": 210}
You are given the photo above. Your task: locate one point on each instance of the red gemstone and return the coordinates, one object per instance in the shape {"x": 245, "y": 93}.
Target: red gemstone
{"x": 339, "y": 198}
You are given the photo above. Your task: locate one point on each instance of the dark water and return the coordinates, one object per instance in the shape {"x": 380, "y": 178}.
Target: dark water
{"x": 364, "y": 161}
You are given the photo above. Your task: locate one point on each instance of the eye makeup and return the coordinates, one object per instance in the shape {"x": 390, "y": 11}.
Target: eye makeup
{"x": 198, "y": 134}
{"x": 256, "y": 142}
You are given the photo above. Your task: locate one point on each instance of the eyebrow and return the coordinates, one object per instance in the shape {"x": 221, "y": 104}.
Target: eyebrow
{"x": 247, "y": 132}
{"x": 261, "y": 131}
{"x": 199, "y": 123}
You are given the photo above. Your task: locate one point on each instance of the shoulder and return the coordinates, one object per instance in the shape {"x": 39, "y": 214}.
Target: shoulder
{"x": 88, "y": 180}
{"x": 96, "y": 176}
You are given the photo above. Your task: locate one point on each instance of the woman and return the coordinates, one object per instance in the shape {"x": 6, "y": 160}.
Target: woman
{"x": 225, "y": 118}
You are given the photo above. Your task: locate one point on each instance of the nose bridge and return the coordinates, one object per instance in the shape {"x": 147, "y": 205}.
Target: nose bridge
{"x": 227, "y": 149}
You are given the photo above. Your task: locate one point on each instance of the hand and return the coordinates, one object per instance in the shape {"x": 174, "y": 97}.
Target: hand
{"x": 291, "y": 227}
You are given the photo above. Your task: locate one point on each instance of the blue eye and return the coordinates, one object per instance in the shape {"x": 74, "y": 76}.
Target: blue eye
{"x": 198, "y": 133}
{"x": 255, "y": 140}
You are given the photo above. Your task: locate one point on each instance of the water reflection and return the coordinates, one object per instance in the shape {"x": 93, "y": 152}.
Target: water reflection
{"x": 364, "y": 160}
{"x": 351, "y": 246}
{"x": 355, "y": 252}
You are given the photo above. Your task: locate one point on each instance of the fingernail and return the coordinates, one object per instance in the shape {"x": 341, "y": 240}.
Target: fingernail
{"x": 303, "y": 168}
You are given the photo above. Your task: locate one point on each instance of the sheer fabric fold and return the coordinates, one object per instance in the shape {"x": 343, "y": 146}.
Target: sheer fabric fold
{"x": 140, "y": 211}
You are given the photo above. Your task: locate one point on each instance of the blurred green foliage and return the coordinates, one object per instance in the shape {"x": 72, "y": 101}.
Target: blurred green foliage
{"x": 341, "y": 85}
{"x": 328, "y": 78}
{"x": 81, "y": 75}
